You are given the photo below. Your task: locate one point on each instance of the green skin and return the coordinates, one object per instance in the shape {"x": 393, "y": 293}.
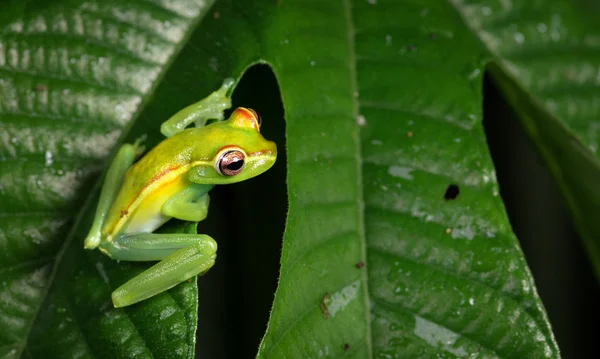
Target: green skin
{"x": 172, "y": 181}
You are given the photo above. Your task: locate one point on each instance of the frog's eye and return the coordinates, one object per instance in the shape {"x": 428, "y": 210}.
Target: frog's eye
{"x": 256, "y": 116}
{"x": 230, "y": 163}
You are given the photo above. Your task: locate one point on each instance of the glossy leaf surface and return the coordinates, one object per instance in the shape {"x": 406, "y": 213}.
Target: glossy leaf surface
{"x": 397, "y": 244}
{"x": 73, "y": 76}
{"x": 548, "y": 68}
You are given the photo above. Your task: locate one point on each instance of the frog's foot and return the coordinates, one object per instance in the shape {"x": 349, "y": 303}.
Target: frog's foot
{"x": 138, "y": 146}
{"x": 210, "y": 108}
{"x": 182, "y": 256}
{"x": 216, "y": 103}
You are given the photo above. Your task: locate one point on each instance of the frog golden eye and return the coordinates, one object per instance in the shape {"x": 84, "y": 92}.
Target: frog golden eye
{"x": 256, "y": 116}
{"x": 230, "y": 163}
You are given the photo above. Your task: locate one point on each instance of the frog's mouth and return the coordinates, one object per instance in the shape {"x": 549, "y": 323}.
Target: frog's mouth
{"x": 264, "y": 158}
{"x": 263, "y": 153}
{"x": 269, "y": 151}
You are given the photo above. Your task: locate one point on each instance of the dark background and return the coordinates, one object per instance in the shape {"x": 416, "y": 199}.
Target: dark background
{"x": 233, "y": 318}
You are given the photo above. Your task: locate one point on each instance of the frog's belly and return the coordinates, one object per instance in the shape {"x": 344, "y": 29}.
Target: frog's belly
{"x": 148, "y": 216}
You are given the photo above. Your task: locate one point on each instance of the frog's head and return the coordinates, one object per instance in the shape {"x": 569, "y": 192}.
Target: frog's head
{"x": 242, "y": 151}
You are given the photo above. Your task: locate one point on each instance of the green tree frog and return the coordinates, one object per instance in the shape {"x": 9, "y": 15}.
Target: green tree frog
{"x": 172, "y": 181}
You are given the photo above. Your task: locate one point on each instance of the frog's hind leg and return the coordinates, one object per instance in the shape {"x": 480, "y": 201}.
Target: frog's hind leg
{"x": 182, "y": 256}
{"x": 112, "y": 184}
{"x": 211, "y": 107}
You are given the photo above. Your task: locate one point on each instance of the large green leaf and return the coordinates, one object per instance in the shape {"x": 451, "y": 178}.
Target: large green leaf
{"x": 383, "y": 115}
{"x": 441, "y": 277}
{"x": 72, "y": 77}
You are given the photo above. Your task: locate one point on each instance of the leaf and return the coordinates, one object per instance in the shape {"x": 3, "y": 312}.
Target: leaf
{"x": 441, "y": 277}
{"x": 383, "y": 115}
{"x": 547, "y": 67}
{"x": 73, "y": 76}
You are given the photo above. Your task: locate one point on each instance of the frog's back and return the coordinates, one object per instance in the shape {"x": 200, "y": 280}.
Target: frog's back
{"x": 159, "y": 171}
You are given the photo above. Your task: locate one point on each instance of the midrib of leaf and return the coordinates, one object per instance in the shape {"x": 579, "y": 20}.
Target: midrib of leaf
{"x": 359, "y": 170}
{"x": 88, "y": 203}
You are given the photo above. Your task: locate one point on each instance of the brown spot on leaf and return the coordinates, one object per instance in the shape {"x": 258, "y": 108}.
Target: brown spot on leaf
{"x": 325, "y": 306}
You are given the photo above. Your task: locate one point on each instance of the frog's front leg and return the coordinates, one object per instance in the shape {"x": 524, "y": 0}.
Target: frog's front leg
{"x": 112, "y": 183}
{"x": 212, "y": 107}
{"x": 190, "y": 204}
{"x": 182, "y": 256}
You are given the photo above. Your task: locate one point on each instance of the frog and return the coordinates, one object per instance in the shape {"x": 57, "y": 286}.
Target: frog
{"x": 201, "y": 149}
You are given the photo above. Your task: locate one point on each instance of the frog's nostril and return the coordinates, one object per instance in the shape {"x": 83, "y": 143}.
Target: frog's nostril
{"x": 273, "y": 148}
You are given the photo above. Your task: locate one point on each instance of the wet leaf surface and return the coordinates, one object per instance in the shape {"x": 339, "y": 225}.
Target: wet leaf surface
{"x": 396, "y": 243}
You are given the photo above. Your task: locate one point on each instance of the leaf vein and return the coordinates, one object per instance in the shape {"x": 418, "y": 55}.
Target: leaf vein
{"x": 359, "y": 169}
